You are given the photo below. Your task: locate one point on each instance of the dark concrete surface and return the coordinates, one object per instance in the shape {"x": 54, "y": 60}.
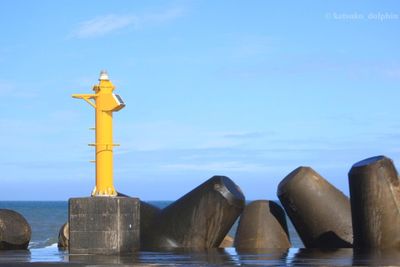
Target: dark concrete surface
{"x": 375, "y": 203}
{"x": 200, "y": 219}
{"x": 262, "y": 225}
{"x": 15, "y": 231}
{"x": 320, "y": 213}
{"x": 104, "y": 225}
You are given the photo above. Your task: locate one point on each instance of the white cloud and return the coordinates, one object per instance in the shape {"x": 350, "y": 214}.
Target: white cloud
{"x": 104, "y": 25}
{"x": 246, "y": 135}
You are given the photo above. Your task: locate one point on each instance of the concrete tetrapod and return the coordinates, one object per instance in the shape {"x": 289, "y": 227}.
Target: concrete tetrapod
{"x": 15, "y": 231}
{"x": 198, "y": 220}
{"x": 63, "y": 236}
{"x": 375, "y": 203}
{"x": 320, "y": 213}
{"x": 262, "y": 225}
{"x": 148, "y": 213}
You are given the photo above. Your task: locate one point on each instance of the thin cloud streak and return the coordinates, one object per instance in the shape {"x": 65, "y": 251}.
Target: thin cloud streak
{"x": 217, "y": 166}
{"x": 103, "y": 25}
{"x": 246, "y": 135}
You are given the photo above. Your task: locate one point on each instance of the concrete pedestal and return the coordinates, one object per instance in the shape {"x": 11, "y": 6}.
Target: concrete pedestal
{"x": 104, "y": 225}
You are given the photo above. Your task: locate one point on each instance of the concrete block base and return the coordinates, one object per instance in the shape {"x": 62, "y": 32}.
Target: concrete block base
{"x": 104, "y": 225}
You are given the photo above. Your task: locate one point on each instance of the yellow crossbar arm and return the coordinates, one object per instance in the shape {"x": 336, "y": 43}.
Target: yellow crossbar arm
{"x": 86, "y": 97}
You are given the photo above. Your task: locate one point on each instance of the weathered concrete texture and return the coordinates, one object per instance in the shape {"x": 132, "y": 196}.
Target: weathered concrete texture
{"x": 148, "y": 213}
{"x": 198, "y": 220}
{"x": 262, "y": 225}
{"x": 320, "y": 213}
{"x": 63, "y": 236}
{"x": 375, "y": 203}
{"x": 104, "y": 225}
{"x": 15, "y": 231}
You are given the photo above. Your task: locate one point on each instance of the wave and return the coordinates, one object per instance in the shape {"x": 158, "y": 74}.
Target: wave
{"x": 54, "y": 245}
{"x": 47, "y": 243}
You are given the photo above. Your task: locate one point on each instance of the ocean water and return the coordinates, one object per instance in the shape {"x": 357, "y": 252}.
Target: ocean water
{"x": 46, "y": 218}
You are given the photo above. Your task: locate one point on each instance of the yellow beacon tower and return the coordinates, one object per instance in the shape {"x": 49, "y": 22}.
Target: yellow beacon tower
{"x": 105, "y": 103}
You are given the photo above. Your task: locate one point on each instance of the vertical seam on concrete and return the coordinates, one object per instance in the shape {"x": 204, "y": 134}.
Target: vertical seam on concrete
{"x": 394, "y": 196}
{"x": 69, "y": 222}
{"x": 119, "y": 226}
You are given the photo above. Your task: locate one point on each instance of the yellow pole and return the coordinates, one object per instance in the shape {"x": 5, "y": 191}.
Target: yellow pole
{"x": 106, "y": 102}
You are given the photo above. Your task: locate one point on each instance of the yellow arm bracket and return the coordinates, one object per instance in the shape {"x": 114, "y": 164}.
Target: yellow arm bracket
{"x": 104, "y": 145}
{"x": 86, "y": 97}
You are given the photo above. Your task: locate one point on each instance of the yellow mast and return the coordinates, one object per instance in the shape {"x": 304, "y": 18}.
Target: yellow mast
{"x": 105, "y": 103}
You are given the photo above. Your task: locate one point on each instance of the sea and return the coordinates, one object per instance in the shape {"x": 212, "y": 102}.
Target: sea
{"x": 46, "y": 218}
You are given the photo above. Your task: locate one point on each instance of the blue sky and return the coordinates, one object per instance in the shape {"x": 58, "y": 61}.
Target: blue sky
{"x": 246, "y": 89}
